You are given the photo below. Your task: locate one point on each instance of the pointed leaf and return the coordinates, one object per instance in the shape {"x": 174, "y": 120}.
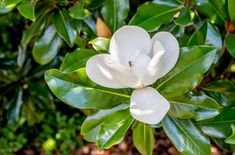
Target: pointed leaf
{"x": 143, "y": 138}
{"x": 229, "y": 43}
{"x": 15, "y": 108}
{"x": 207, "y": 34}
{"x": 78, "y": 12}
{"x": 231, "y": 138}
{"x": 107, "y": 127}
{"x": 100, "y": 44}
{"x": 115, "y": 12}
{"x": 26, "y": 8}
{"x": 64, "y": 26}
{"x": 47, "y": 46}
{"x": 184, "y": 18}
{"x": 34, "y": 29}
{"x": 151, "y": 16}
{"x": 186, "y": 136}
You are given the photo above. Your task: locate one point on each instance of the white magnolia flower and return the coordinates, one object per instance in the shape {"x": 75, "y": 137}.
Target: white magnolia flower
{"x": 137, "y": 61}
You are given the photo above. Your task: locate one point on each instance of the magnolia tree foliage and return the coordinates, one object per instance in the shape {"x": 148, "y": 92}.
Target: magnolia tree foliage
{"x": 180, "y": 81}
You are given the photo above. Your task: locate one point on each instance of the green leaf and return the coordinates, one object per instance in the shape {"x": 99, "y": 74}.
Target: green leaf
{"x": 151, "y": 16}
{"x": 231, "y": 10}
{"x": 186, "y": 136}
{"x": 107, "y": 127}
{"x": 196, "y": 106}
{"x": 222, "y": 91}
{"x": 64, "y": 26}
{"x": 192, "y": 64}
{"x": 34, "y": 30}
{"x": 78, "y": 12}
{"x": 219, "y": 126}
{"x": 229, "y": 43}
{"x": 173, "y": 3}
{"x": 76, "y": 60}
{"x": 220, "y": 8}
{"x": 10, "y": 2}
{"x": 26, "y": 8}
{"x": 205, "y": 8}
{"x": 184, "y": 18}
{"x": 93, "y": 3}
{"x": 47, "y": 46}
{"x": 143, "y": 138}
{"x": 100, "y": 44}
{"x": 207, "y": 34}
{"x": 115, "y": 12}
{"x": 15, "y": 108}
{"x": 7, "y": 5}
{"x": 75, "y": 89}
{"x": 220, "y": 143}
{"x": 231, "y": 138}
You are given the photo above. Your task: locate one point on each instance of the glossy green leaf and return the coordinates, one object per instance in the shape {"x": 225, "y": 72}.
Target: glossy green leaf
{"x": 64, "y": 27}
{"x": 93, "y": 3}
{"x": 151, "y": 16}
{"x": 75, "y": 89}
{"x": 6, "y": 9}
{"x": 107, "y": 127}
{"x": 173, "y": 3}
{"x": 100, "y": 44}
{"x": 47, "y": 46}
{"x": 143, "y": 138}
{"x": 220, "y": 8}
{"x": 10, "y": 2}
{"x": 192, "y": 64}
{"x": 33, "y": 30}
{"x": 205, "y": 8}
{"x": 231, "y": 10}
{"x": 76, "y": 60}
{"x": 186, "y": 136}
{"x": 222, "y": 91}
{"x": 78, "y": 12}
{"x": 7, "y": 5}
{"x": 219, "y": 126}
{"x": 207, "y": 34}
{"x": 220, "y": 143}
{"x": 115, "y": 12}
{"x": 231, "y": 138}
{"x": 15, "y": 108}
{"x": 196, "y": 106}
{"x": 229, "y": 43}
{"x": 26, "y": 8}
{"x": 184, "y": 18}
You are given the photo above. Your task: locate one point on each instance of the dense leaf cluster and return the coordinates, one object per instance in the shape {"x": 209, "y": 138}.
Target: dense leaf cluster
{"x": 38, "y": 35}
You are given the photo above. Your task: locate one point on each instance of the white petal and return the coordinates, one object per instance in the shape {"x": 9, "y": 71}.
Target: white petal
{"x": 148, "y": 106}
{"x": 123, "y": 74}
{"x": 127, "y": 42}
{"x": 139, "y": 66}
{"x": 152, "y": 70}
{"x": 171, "y": 52}
{"x": 100, "y": 73}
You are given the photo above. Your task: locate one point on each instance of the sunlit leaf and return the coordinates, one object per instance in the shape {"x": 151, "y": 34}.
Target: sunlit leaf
{"x": 186, "y": 136}
{"x": 107, "y": 127}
